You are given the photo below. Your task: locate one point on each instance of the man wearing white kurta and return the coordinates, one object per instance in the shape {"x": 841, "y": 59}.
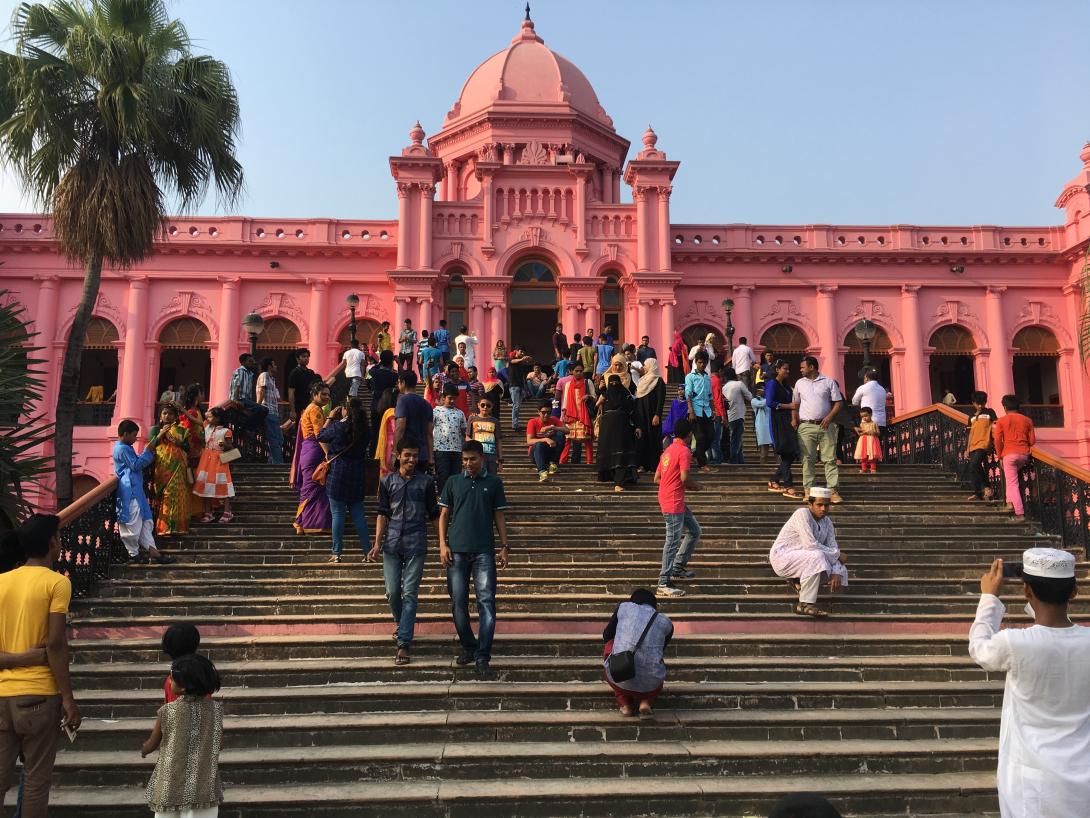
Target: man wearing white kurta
{"x": 806, "y": 552}
{"x": 1044, "y": 738}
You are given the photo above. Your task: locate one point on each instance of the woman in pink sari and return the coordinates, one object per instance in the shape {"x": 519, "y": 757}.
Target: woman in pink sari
{"x": 313, "y": 515}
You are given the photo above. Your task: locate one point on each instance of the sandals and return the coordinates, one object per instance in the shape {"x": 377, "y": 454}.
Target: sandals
{"x": 208, "y": 517}
{"x": 402, "y": 657}
{"x": 793, "y": 494}
{"x": 807, "y": 609}
{"x": 775, "y": 487}
{"x": 226, "y": 517}
{"x": 795, "y": 586}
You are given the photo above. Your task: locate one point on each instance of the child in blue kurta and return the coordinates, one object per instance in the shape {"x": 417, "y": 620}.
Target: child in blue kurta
{"x": 134, "y": 517}
{"x": 761, "y": 426}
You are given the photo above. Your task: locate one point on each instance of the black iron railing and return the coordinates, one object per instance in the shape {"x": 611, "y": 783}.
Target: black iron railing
{"x": 1056, "y": 494}
{"x": 90, "y": 541}
{"x": 94, "y": 414}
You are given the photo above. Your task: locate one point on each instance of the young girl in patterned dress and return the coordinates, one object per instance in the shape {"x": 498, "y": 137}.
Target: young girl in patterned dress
{"x": 213, "y": 478}
{"x": 868, "y": 449}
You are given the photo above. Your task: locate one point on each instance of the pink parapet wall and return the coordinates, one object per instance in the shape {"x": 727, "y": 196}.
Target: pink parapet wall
{"x": 511, "y": 221}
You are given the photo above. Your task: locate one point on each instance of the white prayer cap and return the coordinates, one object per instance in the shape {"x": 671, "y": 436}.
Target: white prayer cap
{"x": 820, "y": 493}
{"x": 1050, "y": 563}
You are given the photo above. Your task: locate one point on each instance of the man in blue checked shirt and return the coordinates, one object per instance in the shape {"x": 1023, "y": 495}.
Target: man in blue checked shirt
{"x": 698, "y": 394}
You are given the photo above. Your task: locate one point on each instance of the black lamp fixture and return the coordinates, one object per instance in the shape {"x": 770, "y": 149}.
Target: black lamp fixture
{"x": 787, "y": 268}
{"x": 957, "y": 268}
{"x": 728, "y": 308}
{"x": 353, "y": 302}
{"x": 254, "y": 325}
{"x": 865, "y": 331}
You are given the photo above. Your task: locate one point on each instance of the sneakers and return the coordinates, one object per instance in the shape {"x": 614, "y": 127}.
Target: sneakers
{"x": 542, "y": 476}
{"x": 482, "y": 668}
{"x": 553, "y": 468}
{"x": 668, "y": 591}
{"x": 683, "y": 573}
{"x": 464, "y": 658}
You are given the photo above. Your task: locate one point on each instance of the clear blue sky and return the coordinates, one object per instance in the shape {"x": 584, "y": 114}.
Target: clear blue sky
{"x": 781, "y": 111}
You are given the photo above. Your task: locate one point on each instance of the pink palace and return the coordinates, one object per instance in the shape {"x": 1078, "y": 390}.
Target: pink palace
{"x": 511, "y": 219}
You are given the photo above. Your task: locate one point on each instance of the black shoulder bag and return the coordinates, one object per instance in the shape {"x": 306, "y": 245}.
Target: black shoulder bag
{"x": 622, "y": 666}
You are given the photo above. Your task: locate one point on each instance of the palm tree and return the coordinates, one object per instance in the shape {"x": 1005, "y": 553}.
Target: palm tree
{"x": 103, "y": 107}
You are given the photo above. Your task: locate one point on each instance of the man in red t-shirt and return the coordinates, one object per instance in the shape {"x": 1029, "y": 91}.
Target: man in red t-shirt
{"x": 672, "y": 477}
{"x": 545, "y": 441}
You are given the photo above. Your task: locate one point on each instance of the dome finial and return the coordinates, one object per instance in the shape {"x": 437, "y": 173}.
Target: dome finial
{"x": 650, "y": 138}
{"x": 528, "y": 11}
{"x": 1084, "y": 154}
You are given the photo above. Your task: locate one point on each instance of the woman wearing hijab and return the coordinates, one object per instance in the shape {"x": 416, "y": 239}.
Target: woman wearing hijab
{"x": 618, "y": 365}
{"x": 650, "y": 396}
{"x": 493, "y": 389}
{"x": 624, "y": 630}
{"x": 779, "y": 401}
{"x": 677, "y": 364}
{"x": 617, "y": 434}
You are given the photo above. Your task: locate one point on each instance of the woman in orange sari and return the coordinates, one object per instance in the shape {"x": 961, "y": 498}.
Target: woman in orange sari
{"x": 575, "y": 414}
{"x": 384, "y": 448}
{"x": 313, "y": 515}
{"x": 170, "y": 475}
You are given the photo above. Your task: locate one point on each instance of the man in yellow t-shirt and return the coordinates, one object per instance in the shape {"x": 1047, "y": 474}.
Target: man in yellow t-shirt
{"x": 33, "y": 604}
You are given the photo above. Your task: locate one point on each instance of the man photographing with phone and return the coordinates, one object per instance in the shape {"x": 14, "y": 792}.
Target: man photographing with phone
{"x": 1044, "y": 740}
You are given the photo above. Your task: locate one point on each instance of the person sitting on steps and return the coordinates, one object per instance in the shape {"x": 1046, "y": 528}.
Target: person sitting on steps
{"x": 806, "y": 553}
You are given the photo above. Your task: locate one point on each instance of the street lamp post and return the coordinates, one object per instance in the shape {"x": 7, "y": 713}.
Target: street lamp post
{"x": 865, "y": 331}
{"x": 254, "y": 324}
{"x": 728, "y": 308}
{"x": 353, "y": 302}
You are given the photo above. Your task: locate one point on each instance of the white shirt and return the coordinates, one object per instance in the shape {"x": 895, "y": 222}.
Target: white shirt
{"x": 272, "y": 394}
{"x": 872, "y": 395}
{"x": 353, "y": 363}
{"x": 816, "y": 397}
{"x": 706, "y": 347}
{"x": 470, "y": 355}
{"x": 736, "y": 395}
{"x": 1044, "y": 737}
{"x": 743, "y": 358}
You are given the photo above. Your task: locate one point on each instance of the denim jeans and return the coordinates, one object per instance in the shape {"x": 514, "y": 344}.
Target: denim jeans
{"x": 482, "y": 568}
{"x": 674, "y": 557}
{"x": 535, "y": 391}
{"x": 447, "y": 464}
{"x": 338, "y": 510}
{"x": 543, "y": 454}
{"x": 274, "y": 437}
{"x": 737, "y": 429}
{"x": 516, "y": 404}
{"x": 715, "y": 446}
{"x": 354, "y": 387}
{"x": 783, "y": 474}
{"x": 256, "y": 413}
{"x": 402, "y": 578}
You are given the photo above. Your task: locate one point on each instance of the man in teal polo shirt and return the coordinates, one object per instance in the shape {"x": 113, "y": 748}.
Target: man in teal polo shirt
{"x": 471, "y": 511}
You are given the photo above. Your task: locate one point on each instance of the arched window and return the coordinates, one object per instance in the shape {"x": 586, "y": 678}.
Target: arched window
{"x": 97, "y": 390}
{"x": 534, "y": 272}
{"x": 1036, "y": 378}
{"x": 456, "y": 302}
{"x": 366, "y": 333}
{"x": 279, "y": 334}
{"x": 952, "y": 366}
{"x": 186, "y": 356}
{"x": 880, "y": 347}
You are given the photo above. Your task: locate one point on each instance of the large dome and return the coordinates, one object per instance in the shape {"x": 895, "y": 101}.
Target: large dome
{"x": 526, "y": 73}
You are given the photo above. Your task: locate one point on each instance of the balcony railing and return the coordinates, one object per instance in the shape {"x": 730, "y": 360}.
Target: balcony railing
{"x": 94, "y": 414}
{"x": 1056, "y": 493}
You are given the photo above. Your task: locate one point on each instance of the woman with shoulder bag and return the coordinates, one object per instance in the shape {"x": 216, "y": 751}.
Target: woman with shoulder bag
{"x": 346, "y": 436}
{"x": 636, "y": 638}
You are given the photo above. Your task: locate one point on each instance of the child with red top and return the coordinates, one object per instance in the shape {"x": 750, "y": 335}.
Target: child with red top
{"x": 1014, "y": 437}
{"x": 545, "y": 441}
{"x": 672, "y": 477}
{"x": 182, "y": 639}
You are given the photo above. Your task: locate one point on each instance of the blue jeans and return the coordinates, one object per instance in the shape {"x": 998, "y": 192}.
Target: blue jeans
{"x": 338, "y": 510}
{"x": 482, "y": 568}
{"x": 256, "y": 413}
{"x": 535, "y": 391}
{"x": 715, "y": 449}
{"x": 402, "y": 578}
{"x": 543, "y": 454}
{"x": 516, "y": 404}
{"x": 737, "y": 430}
{"x": 354, "y": 387}
{"x": 274, "y": 437}
{"x": 674, "y": 558}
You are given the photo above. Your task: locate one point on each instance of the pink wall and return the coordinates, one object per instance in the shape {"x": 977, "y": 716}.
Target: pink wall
{"x": 541, "y": 179}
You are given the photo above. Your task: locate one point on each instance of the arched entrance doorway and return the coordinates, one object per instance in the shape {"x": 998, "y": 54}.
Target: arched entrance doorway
{"x": 1036, "y": 379}
{"x": 533, "y": 308}
{"x": 97, "y": 390}
{"x": 787, "y": 343}
{"x": 880, "y": 347}
{"x": 455, "y": 304}
{"x": 952, "y": 348}
{"x": 697, "y": 333}
{"x": 366, "y": 334}
{"x": 185, "y": 357}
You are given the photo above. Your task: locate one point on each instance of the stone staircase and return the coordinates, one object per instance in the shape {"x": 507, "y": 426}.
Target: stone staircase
{"x": 879, "y": 707}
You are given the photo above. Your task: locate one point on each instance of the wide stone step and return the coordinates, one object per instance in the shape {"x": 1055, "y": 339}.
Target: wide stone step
{"x": 941, "y": 795}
